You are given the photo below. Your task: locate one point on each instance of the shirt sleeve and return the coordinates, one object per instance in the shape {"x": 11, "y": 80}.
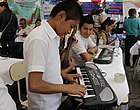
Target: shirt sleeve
{"x": 91, "y": 44}
{"x": 79, "y": 48}
{"x": 37, "y": 56}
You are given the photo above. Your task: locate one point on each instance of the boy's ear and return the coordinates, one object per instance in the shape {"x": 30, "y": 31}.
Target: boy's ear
{"x": 61, "y": 15}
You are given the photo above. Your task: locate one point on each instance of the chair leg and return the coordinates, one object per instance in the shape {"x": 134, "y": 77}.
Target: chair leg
{"x": 23, "y": 103}
{"x": 139, "y": 75}
{"x": 134, "y": 74}
{"x": 19, "y": 93}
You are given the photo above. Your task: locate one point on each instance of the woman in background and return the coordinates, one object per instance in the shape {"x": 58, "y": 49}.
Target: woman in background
{"x": 37, "y": 23}
{"x": 105, "y": 31}
{"x": 7, "y": 38}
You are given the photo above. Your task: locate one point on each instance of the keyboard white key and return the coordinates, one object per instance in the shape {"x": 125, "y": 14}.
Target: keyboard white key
{"x": 83, "y": 81}
{"x": 106, "y": 46}
{"x": 99, "y": 51}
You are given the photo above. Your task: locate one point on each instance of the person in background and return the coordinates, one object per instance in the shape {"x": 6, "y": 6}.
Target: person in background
{"x": 85, "y": 48}
{"x": 139, "y": 15}
{"x": 21, "y": 34}
{"x": 105, "y": 31}
{"x": 42, "y": 59}
{"x": 119, "y": 27}
{"x": 7, "y": 38}
{"x": 132, "y": 27}
{"x": 37, "y": 23}
{"x": 93, "y": 12}
{"x": 97, "y": 19}
{"x": 6, "y": 102}
{"x": 103, "y": 15}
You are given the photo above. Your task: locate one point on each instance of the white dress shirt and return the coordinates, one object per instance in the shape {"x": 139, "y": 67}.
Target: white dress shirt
{"x": 6, "y": 102}
{"x": 41, "y": 54}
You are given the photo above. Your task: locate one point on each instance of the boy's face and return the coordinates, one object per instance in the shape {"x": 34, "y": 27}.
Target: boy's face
{"x": 86, "y": 30}
{"x": 63, "y": 26}
{"x": 66, "y": 27}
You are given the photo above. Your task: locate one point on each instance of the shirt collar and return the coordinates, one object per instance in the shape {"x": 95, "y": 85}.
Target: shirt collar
{"x": 48, "y": 29}
{"x": 79, "y": 34}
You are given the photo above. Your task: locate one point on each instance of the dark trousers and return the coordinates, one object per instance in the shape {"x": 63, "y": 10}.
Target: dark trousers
{"x": 119, "y": 31}
{"x": 18, "y": 50}
{"x": 7, "y": 43}
{"x": 129, "y": 42}
{"x": 69, "y": 104}
{"x": 13, "y": 91}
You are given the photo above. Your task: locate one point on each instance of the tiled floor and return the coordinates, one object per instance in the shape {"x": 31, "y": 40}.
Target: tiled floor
{"x": 134, "y": 86}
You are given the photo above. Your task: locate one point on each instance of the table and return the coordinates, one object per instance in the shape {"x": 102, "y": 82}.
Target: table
{"x": 5, "y": 64}
{"x": 121, "y": 89}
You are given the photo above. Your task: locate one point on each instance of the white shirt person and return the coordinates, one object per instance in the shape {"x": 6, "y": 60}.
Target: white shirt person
{"x": 85, "y": 48}
{"x": 6, "y": 102}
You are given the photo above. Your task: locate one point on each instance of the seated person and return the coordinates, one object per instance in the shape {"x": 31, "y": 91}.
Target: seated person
{"x": 6, "y": 102}
{"x": 84, "y": 49}
{"x": 105, "y": 31}
{"x": 21, "y": 34}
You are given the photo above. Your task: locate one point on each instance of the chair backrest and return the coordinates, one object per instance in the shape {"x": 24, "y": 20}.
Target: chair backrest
{"x": 138, "y": 65}
{"x": 17, "y": 71}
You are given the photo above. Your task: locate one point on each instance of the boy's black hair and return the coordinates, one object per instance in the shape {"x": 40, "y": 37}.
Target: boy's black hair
{"x": 86, "y": 19}
{"x": 71, "y": 7}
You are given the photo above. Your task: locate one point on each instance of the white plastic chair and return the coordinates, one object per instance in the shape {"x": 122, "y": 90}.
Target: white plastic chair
{"x": 137, "y": 68}
{"x": 17, "y": 72}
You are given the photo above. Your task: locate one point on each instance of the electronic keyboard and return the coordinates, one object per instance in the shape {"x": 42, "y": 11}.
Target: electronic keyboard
{"x": 104, "y": 56}
{"x": 99, "y": 93}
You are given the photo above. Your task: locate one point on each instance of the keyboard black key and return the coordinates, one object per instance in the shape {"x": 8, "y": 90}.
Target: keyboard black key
{"x": 90, "y": 92}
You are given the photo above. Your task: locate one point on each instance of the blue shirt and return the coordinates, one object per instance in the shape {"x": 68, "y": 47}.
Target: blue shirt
{"x": 132, "y": 26}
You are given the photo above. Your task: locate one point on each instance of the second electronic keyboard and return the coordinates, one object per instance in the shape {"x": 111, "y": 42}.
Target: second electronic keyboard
{"x": 99, "y": 93}
{"x": 104, "y": 56}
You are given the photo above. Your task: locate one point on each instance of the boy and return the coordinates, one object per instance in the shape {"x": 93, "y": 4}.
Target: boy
{"x": 42, "y": 60}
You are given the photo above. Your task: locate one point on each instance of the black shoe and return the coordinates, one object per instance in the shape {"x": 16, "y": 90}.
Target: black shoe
{"x": 23, "y": 108}
{"x": 4, "y": 55}
{"x": 23, "y": 98}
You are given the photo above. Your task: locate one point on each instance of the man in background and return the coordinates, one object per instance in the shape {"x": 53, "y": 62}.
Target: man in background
{"x": 132, "y": 28}
{"x": 21, "y": 35}
{"x": 103, "y": 15}
{"x": 119, "y": 23}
